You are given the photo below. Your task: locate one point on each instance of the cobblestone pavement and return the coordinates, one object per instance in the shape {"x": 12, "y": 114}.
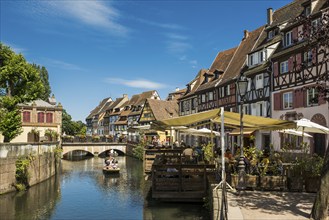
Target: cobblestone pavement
{"x": 270, "y": 205}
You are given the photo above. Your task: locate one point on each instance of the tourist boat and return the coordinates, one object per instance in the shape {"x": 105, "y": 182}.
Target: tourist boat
{"x": 111, "y": 169}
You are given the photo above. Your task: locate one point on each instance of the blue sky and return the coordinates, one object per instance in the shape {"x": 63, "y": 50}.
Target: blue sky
{"x": 98, "y": 49}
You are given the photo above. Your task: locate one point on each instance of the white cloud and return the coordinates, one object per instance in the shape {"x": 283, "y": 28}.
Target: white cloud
{"x": 63, "y": 65}
{"x": 176, "y": 36}
{"x": 138, "y": 83}
{"x": 161, "y": 25}
{"x": 93, "y": 13}
{"x": 178, "y": 47}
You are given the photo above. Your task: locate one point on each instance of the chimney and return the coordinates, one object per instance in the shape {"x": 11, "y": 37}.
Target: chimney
{"x": 269, "y": 16}
{"x": 177, "y": 89}
{"x": 246, "y": 34}
{"x": 125, "y": 96}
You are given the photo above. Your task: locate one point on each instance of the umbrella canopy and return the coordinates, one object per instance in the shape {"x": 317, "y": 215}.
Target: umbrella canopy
{"x": 208, "y": 131}
{"x": 294, "y": 132}
{"x": 200, "y": 132}
{"x": 305, "y": 125}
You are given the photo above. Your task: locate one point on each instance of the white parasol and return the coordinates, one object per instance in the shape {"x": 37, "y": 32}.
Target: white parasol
{"x": 294, "y": 132}
{"x": 305, "y": 125}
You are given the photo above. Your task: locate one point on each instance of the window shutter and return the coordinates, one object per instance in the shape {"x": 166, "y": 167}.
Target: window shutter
{"x": 306, "y": 31}
{"x": 290, "y": 63}
{"x": 314, "y": 55}
{"x": 295, "y": 35}
{"x": 298, "y": 61}
{"x": 303, "y": 97}
{"x": 298, "y": 100}
{"x": 277, "y": 101}
{"x": 232, "y": 88}
{"x": 276, "y": 68}
{"x": 322, "y": 97}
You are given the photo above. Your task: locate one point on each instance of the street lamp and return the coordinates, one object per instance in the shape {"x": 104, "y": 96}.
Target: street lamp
{"x": 242, "y": 85}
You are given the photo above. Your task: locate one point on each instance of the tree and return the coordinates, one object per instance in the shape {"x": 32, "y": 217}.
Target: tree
{"x": 72, "y": 127}
{"x": 45, "y": 81}
{"x": 19, "y": 82}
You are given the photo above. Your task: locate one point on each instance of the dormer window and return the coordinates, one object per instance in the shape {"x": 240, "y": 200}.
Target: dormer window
{"x": 257, "y": 57}
{"x": 288, "y": 38}
{"x": 271, "y": 34}
{"x": 188, "y": 88}
{"x": 307, "y": 10}
{"x": 206, "y": 77}
{"x": 217, "y": 73}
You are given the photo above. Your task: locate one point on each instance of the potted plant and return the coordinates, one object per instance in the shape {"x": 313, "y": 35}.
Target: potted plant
{"x": 312, "y": 175}
{"x": 252, "y": 155}
{"x": 294, "y": 166}
{"x": 271, "y": 173}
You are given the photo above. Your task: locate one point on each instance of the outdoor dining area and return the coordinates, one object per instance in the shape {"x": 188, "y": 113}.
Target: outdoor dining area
{"x": 243, "y": 168}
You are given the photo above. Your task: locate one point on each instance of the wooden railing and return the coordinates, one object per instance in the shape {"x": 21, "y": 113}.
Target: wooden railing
{"x": 150, "y": 155}
{"x": 180, "y": 182}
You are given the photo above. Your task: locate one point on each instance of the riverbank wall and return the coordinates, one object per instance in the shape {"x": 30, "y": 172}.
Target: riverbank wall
{"x": 42, "y": 163}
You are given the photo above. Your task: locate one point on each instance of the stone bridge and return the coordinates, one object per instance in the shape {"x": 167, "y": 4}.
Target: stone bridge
{"x": 96, "y": 148}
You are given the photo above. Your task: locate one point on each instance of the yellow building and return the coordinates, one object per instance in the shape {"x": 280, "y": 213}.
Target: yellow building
{"x": 41, "y": 121}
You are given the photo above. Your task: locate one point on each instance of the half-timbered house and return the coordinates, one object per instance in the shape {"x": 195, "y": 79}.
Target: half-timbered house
{"x": 188, "y": 103}
{"x": 297, "y": 64}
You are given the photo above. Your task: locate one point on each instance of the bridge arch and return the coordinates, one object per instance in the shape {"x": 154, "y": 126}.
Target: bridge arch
{"x": 95, "y": 149}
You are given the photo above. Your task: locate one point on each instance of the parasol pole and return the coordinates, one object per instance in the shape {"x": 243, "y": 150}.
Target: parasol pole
{"x": 222, "y": 144}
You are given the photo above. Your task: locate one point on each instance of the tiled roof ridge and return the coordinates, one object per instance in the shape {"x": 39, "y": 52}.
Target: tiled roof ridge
{"x": 288, "y": 5}
{"x": 228, "y": 51}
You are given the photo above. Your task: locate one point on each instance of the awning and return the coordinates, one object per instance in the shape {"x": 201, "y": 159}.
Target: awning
{"x": 188, "y": 120}
{"x": 246, "y": 131}
{"x": 231, "y": 119}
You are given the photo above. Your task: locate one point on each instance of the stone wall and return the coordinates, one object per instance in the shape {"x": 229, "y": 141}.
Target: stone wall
{"x": 43, "y": 165}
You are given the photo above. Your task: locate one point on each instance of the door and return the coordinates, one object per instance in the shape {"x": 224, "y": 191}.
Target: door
{"x": 319, "y": 144}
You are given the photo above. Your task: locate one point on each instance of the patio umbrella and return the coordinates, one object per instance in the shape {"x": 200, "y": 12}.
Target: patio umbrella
{"x": 294, "y": 132}
{"x": 200, "y": 132}
{"x": 208, "y": 131}
{"x": 305, "y": 125}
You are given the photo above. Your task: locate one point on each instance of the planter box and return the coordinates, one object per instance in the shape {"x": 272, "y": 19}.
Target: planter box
{"x": 312, "y": 184}
{"x": 251, "y": 181}
{"x": 295, "y": 183}
{"x": 273, "y": 182}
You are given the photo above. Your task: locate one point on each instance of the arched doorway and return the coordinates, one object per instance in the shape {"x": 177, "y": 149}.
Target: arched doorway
{"x": 319, "y": 140}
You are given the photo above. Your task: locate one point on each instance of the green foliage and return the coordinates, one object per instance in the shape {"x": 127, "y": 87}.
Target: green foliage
{"x": 20, "y": 79}
{"x": 53, "y": 134}
{"x": 19, "y": 82}
{"x": 10, "y": 124}
{"x": 45, "y": 81}
{"x": 22, "y": 174}
{"x": 72, "y": 127}
{"x": 58, "y": 152}
{"x": 208, "y": 151}
{"x": 138, "y": 151}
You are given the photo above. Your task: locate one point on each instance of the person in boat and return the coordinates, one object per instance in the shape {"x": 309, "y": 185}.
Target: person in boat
{"x": 109, "y": 161}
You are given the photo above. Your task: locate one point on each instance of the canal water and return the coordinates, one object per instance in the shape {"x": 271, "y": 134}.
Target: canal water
{"x": 82, "y": 191}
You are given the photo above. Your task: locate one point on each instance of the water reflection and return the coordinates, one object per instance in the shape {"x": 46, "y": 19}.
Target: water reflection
{"x": 39, "y": 202}
{"x": 83, "y": 191}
